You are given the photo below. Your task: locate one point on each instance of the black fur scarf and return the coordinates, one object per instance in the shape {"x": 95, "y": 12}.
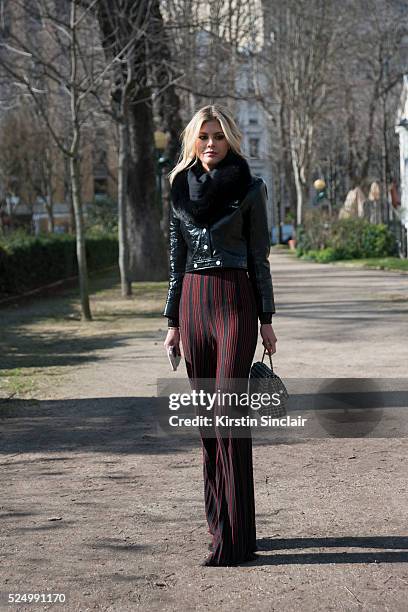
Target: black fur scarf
{"x": 201, "y": 197}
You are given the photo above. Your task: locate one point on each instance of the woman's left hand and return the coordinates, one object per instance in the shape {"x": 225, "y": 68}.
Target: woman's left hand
{"x": 268, "y": 338}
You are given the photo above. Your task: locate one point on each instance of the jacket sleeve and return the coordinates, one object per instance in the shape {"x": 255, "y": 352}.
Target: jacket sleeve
{"x": 178, "y": 255}
{"x": 258, "y": 252}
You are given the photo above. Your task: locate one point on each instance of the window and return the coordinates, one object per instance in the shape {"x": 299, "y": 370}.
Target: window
{"x": 254, "y": 147}
{"x": 100, "y": 155}
{"x": 100, "y": 187}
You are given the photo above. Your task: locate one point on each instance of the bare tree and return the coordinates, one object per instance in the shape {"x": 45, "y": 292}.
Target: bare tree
{"x": 210, "y": 42}
{"x": 373, "y": 74}
{"x": 52, "y": 52}
{"x": 303, "y": 40}
{"x": 129, "y": 32}
{"x": 334, "y": 74}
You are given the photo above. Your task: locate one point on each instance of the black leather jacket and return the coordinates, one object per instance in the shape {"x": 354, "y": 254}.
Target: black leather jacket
{"x": 240, "y": 239}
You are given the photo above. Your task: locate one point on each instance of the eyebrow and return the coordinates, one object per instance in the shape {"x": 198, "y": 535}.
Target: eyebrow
{"x": 203, "y": 132}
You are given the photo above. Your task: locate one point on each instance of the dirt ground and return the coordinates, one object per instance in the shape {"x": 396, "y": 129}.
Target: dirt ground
{"x": 96, "y": 505}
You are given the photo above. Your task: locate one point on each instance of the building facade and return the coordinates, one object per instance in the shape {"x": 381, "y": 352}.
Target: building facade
{"x": 256, "y": 146}
{"x": 402, "y": 131}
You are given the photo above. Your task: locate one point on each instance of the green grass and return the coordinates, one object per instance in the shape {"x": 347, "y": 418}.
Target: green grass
{"x": 43, "y": 340}
{"x": 18, "y": 382}
{"x": 378, "y": 263}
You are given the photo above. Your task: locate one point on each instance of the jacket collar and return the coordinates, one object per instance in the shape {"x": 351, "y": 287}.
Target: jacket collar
{"x": 201, "y": 197}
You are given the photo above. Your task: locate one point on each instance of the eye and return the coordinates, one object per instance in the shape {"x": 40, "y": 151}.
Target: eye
{"x": 220, "y": 136}
{"x": 202, "y": 136}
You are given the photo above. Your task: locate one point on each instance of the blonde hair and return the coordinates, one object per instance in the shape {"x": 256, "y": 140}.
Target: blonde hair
{"x": 190, "y": 134}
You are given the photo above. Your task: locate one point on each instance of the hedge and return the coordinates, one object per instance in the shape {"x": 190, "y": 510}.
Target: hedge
{"x": 345, "y": 239}
{"x": 28, "y": 262}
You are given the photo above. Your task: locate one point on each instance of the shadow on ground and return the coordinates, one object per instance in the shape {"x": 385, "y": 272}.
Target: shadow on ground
{"x": 58, "y": 348}
{"x": 129, "y": 425}
{"x": 46, "y": 331}
{"x": 140, "y": 425}
{"x": 107, "y": 425}
{"x": 396, "y": 550}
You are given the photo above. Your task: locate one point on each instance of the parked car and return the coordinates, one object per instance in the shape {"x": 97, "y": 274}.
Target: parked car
{"x": 288, "y": 232}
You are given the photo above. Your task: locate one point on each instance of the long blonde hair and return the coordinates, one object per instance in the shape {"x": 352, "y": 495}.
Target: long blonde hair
{"x": 190, "y": 134}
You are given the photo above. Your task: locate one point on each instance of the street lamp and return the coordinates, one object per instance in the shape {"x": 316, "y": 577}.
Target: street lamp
{"x": 321, "y": 194}
{"x": 320, "y": 186}
{"x": 160, "y": 140}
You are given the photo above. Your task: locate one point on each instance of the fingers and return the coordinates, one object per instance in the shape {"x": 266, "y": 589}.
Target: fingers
{"x": 168, "y": 343}
{"x": 270, "y": 346}
{"x": 271, "y": 351}
{"x": 172, "y": 339}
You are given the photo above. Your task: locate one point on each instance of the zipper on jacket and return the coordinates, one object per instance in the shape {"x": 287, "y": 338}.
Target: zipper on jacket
{"x": 209, "y": 240}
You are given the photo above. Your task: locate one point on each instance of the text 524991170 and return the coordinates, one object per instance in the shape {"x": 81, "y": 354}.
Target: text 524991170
{"x": 17, "y": 598}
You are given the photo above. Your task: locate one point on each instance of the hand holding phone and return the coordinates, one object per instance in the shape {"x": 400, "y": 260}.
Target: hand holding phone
{"x": 174, "y": 357}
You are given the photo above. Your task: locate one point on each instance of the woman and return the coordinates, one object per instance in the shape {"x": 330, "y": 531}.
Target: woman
{"x": 220, "y": 283}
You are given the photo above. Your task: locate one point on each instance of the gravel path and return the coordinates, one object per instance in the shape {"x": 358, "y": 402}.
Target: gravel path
{"x": 97, "y": 506}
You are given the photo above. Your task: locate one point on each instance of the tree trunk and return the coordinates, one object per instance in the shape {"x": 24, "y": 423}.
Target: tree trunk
{"x": 50, "y": 208}
{"x": 290, "y": 187}
{"x": 126, "y": 285}
{"x": 301, "y": 195}
{"x": 301, "y": 174}
{"x": 351, "y": 139}
{"x": 68, "y": 195}
{"x": 146, "y": 247}
{"x": 51, "y": 224}
{"x": 74, "y": 165}
{"x": 147, "y": 252}
{"x": 371, "y": 128}
{"x": 80, "y": 240}
{"x": 168, "y": 102}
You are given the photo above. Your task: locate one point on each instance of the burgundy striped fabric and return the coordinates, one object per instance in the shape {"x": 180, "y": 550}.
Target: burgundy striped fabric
{"x": 218, "y": 329}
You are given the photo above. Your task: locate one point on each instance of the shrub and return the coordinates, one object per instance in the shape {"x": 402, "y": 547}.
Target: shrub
{"x": 28, "y": 262}
{"x": 378, "y": 241}
{"x": 344, "y": 239}
{"x": 102, "y": 214}
{"x": 314, "y": 234}
{"x": 322, "y": 255}
{"x": 327, "y": 254}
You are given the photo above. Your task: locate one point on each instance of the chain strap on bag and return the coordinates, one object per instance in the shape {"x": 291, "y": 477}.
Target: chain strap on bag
{"x": 263, "y": 379}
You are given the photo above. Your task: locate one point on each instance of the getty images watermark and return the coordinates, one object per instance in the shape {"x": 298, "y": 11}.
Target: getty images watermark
{"x": 315, "y": 408}
{"x": 231, "y": 408}
{"x": 234, "y": 402}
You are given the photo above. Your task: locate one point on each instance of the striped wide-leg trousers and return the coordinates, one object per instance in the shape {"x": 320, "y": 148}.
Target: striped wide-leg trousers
{"x": 218, "y": 329}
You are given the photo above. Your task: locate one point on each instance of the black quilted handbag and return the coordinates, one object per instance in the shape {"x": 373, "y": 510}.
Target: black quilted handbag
{"x": 263, "y": 379}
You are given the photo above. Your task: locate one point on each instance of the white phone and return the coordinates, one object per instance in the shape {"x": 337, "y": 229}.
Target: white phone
{"x": 174, "y": 357}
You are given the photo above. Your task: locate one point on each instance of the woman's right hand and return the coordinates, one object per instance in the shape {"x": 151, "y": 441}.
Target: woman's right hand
{"x": 172, "y": 339}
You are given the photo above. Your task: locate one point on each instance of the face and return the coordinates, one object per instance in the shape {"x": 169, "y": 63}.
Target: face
{"x": 211, "y": 144}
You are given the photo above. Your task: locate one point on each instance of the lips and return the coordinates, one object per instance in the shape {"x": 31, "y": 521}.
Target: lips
{"x": 210, "y": 153}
